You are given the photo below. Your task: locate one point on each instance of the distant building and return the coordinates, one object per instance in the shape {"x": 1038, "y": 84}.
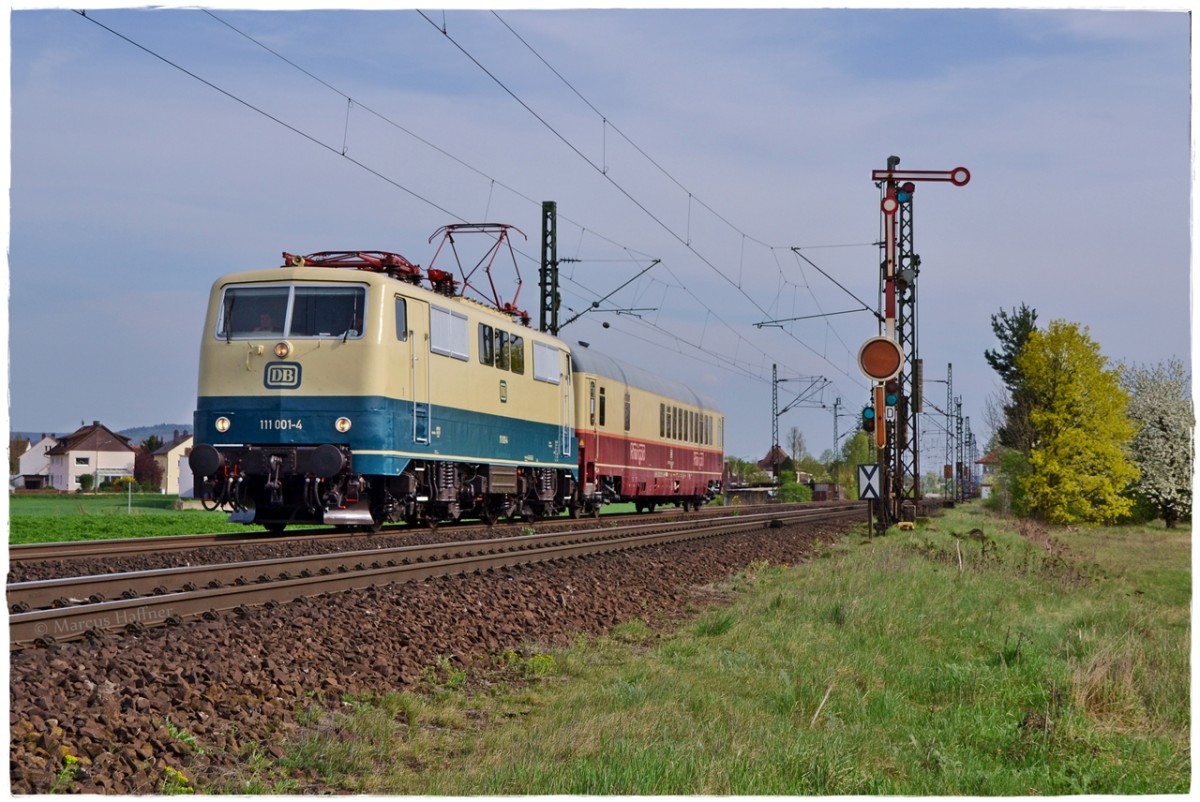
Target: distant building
{"x": 93, "y": 450}
{"x": 169, "y": 457}
{"x": 990, "y": 462}
{"x": 34, "y": 470}
{"x": 775, "y": 457}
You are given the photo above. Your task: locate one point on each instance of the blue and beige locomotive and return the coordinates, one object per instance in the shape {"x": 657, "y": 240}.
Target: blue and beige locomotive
{"x": 355, "y": 388}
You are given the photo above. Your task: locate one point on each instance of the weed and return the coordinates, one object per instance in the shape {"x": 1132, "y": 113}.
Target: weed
{"x": 64, "y": 781}
{"x": 184, "y": 737}
{"x": 175, "y": 782}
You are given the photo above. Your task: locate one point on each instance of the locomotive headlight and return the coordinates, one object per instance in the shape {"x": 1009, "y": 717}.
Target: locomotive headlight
{"x": 282, "y": 349}
{"x": 342, "y": 425}
{"x": 222, "y": 424}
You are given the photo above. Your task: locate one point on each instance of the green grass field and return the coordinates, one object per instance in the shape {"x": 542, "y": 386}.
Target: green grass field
{"x": 45, "y": 517}
{"x": 920, "y": 663}
{"x": 51, "y": 517}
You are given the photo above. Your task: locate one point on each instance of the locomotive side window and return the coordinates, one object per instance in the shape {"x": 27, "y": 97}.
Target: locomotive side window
{"x": 517, "y": 347}
{"x": 401, "y": 319}
{"x": 545, "y": 363}
{"x": 602, "y": 406}
{"x": 502, "y": 353}
{"x": 487, "y": 354}
{"x": 449, "y": 332}
{"x": 627, "y": 412}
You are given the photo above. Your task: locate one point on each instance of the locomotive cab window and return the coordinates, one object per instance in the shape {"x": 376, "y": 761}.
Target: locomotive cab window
{"x": 291, "y": 311}
{"x": 401, "y": 319}
{"x": 328, "y": 312}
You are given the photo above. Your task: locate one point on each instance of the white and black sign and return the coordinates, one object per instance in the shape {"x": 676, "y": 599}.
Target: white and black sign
{"x": 869, "y": 482}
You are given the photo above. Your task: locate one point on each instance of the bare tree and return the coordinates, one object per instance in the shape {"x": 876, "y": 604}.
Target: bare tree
{"x": 795, "y": 441}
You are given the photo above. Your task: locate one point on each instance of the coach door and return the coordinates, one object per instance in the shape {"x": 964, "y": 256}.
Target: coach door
{"x": 412, "y": 328}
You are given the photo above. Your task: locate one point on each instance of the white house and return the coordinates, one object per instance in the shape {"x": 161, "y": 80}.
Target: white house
{"x": 33, "y": 472}
{"x": 93, "y": 450}
{"x": 169, "y": 458}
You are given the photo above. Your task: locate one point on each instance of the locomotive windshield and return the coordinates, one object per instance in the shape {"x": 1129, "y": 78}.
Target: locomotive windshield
{"x": 305, "y": 310}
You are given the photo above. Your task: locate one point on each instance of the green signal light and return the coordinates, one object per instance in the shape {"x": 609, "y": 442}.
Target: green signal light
{"x": 891, "y": 389}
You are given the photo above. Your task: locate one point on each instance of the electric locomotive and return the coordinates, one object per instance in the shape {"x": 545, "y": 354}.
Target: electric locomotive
{"x": 354, "y": 388}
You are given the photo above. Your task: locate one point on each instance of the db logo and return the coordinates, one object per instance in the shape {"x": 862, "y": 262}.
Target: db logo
{"x": 282, "y": 376}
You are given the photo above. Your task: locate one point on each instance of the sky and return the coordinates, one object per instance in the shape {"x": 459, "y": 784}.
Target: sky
{"x": 712, "y": 171}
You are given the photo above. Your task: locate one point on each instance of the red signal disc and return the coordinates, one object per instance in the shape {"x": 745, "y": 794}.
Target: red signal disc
{"x": 880, "y": 358}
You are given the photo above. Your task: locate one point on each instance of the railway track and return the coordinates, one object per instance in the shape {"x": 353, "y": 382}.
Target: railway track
{"x": 50, "y": 611}
{"x": 129, "y": 547}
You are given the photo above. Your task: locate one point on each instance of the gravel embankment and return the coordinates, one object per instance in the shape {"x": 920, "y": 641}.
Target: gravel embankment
{"x": 118, "y": 704}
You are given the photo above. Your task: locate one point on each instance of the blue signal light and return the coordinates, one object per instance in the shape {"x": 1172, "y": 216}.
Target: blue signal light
{"x": 868, "y": 419}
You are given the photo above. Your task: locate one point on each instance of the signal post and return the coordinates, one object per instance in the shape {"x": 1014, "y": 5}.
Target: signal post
{"x": 896, "y": 393}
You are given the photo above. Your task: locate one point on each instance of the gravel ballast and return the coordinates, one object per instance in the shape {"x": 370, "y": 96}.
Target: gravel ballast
{"x": 124, "y": 711}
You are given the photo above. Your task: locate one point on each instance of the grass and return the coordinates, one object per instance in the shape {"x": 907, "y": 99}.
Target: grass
{"x": 922, "y": 663}
{"x": 53, "y": 517}
{"x": 46, "y": 518}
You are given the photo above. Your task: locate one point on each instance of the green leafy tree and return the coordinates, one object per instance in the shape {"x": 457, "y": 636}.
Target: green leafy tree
{"x": 1013, "y": 331}
{"x": 1078, "y": 467}
{"x": 1161, "y": 410}
{"x": 858, "y": 450}
{"x": 791, "y": 491}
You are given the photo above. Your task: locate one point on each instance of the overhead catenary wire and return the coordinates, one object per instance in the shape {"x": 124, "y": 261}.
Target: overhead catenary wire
{"x": 442, "y": 28}
{"x": 739, "y": 364}
{"x": 602, "y": 169}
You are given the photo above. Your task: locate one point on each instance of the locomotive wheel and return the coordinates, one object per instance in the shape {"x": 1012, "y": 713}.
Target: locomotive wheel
{"x": 274, "y": 527}
{"x": 488, "y": 515}
{"x": 372, "y": 528}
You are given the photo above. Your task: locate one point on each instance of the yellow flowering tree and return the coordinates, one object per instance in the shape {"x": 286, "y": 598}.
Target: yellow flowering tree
{"x": 1078, "y": 467}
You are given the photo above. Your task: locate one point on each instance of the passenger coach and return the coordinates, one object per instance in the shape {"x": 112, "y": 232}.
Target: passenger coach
{"x": 644, "y": 439}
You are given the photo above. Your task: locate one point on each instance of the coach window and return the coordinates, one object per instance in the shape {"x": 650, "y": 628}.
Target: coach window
{"x": 401, "y": 319}
{"x": 516, "y": 346}
{"x": 602, "y": 406}
{"x": 487, "y": 354}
